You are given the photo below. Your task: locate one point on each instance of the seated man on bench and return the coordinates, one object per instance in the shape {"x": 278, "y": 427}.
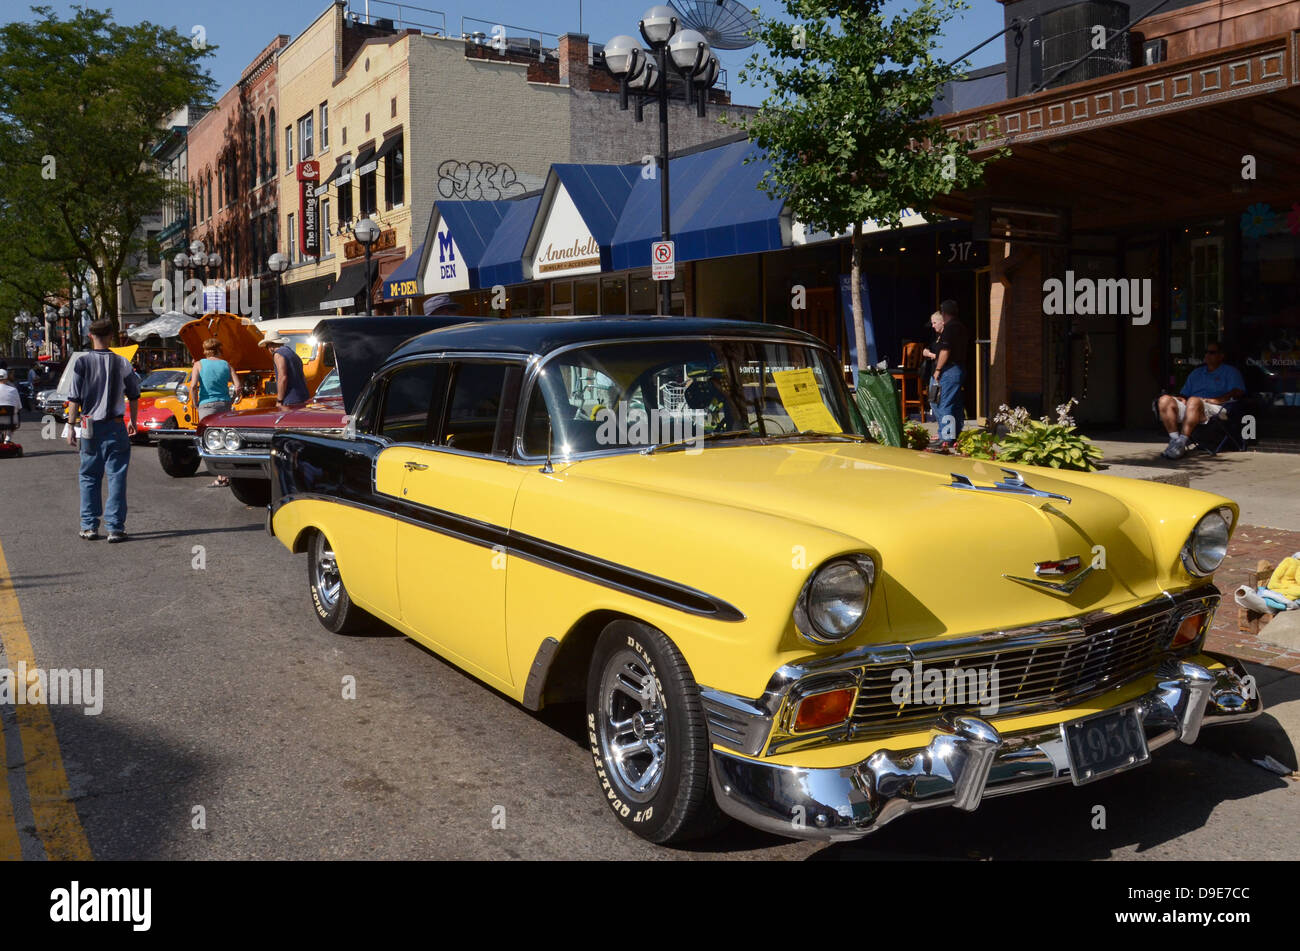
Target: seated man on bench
{"x": 1205, "y": 396}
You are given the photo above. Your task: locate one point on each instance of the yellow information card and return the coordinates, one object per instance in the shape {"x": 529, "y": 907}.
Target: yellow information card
{"x": 802, "y": 399}
{"x": 303, "y": 350}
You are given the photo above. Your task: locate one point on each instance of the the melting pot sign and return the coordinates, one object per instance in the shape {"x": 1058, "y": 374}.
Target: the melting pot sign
{"x": 309, "y": 219}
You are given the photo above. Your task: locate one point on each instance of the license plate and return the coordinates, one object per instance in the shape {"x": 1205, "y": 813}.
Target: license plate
{"x": 1103, "y": 744}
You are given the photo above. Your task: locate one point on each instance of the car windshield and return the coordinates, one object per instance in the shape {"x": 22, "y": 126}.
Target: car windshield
{"x": 685, "y": 392}
{"x": 159, "y": 379}
{"x": 330, "y": 386}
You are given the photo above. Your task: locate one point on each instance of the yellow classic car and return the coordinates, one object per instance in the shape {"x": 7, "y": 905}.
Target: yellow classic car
{"x": 770, "y": 617}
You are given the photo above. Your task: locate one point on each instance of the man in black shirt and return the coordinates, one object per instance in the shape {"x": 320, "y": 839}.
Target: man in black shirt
{"x": 949, "y": 374}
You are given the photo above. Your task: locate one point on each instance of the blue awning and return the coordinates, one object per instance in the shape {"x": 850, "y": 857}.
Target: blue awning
{"x": 599, "y": 192}
{"x": 716, "y": 206}
{"x": 405, "y": 279}
{"x": 502, "y": 259}
{"x": 472, "y": 225}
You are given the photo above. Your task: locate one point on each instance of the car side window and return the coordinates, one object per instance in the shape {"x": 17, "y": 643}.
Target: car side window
{"x": 475, "y": 407}
{"x": 364, "y": 416}
{"x": 412, "y": 399}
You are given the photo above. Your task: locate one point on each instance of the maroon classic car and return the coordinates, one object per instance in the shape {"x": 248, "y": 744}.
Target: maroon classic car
{"x": 238, "y": 444}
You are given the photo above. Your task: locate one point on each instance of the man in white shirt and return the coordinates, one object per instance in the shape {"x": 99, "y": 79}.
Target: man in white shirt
{"x": 9, "y": 396}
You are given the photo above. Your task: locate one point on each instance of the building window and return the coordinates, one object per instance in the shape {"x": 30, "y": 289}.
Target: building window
{"x": 261, "y": 149}
{"x": 325, "y": 248}
{"x": 367, "y": 122}
{"x": 345, "y": 203}
{"x": 270, "y": 144}
{"x": 305, "y": 150}
{"x": 368, "y": 205}
{"x": 288, "y": 148}
{"x": 151, "y": 246}
{"x": 324, "y": 126}
{"x": 394, "y": 178}
{"x": 392, "y": 107}
{"x": 209, "y": 190}
{"x": 345, "y": 135}
{"x": 293, "y": 241}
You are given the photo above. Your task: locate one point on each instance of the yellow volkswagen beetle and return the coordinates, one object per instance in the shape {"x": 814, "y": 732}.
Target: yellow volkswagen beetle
{"x": 770, "y": 617}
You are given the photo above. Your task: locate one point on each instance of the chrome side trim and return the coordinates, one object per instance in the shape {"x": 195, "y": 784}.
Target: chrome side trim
{"x": 546, "y": 652}
{"x": 966, "y": 761}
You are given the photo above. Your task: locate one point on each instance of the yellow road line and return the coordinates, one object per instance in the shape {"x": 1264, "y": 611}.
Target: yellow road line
{"x": 57, "y": 822}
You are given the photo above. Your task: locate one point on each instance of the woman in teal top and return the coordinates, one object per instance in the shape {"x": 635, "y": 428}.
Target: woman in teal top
{"x": 210, "y": 383}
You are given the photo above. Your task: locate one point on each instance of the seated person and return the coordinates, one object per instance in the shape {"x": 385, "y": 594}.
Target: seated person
{"x": 1205, "y": 395}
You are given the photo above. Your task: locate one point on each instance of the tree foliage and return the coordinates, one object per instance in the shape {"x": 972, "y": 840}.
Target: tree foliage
{"x": 846, "y": 123}
{"x": 83, "y": 102}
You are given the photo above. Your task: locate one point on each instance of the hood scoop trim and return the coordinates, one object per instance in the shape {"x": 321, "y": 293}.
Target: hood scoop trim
{"x": 1013, "y": 484}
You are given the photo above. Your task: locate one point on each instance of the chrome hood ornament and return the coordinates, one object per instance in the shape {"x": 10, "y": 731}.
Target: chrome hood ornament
{"x": 1056, "y": 568}
{"x": 1013, "y": 484}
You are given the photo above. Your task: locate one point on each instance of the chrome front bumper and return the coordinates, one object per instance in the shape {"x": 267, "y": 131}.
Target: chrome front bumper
{"x": 966, "y": 761}
{"x": 238, "y": 465}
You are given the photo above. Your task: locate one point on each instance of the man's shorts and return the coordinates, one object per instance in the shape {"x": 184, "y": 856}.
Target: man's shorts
{"x": 1212, "y": 410}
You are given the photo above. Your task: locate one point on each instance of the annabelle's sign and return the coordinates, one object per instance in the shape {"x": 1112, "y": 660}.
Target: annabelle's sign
{"x": 309, "y": 219}
{"x": 579, "y": 254}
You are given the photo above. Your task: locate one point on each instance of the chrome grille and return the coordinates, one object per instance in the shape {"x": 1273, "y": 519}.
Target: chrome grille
{"x": 1049, "y": 673}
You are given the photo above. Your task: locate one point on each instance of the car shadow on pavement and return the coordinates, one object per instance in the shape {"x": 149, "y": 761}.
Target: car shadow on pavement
{"x": 35, "y": 581}
{"x": 190, "y": 532}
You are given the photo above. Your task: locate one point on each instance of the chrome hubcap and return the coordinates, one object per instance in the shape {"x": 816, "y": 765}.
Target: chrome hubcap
{"x": 633, "y": 735}
{"x": 328, "y": 582}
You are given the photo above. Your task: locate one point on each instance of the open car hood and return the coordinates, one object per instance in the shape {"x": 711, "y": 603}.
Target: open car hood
{"x": 239, "y": 340}
{"x": 362, "y": 344}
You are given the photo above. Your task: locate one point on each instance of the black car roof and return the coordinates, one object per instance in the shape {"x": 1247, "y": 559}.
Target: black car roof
{"x": 542, "y": 335}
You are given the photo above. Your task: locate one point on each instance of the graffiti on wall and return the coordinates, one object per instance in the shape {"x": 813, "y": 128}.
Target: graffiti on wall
{"x": 478, "y": 181}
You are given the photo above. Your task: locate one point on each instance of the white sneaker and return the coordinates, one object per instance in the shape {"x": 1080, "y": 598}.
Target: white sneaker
{"x": 1168, "y": 451}
{"x": 1178, "y": 448}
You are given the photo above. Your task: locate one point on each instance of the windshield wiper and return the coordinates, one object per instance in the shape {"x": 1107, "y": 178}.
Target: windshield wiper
{"x": 684, "y": 443}
{"x": 818, "y": 434}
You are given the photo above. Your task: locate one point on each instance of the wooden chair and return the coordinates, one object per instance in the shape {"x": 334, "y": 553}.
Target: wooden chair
{"x": 909, "y": 378}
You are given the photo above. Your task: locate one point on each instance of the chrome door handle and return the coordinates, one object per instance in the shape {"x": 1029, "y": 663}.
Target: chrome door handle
{"x": 415, "y": 466}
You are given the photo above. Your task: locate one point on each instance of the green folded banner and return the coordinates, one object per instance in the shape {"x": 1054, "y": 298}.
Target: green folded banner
{"x": 878, "y": 404}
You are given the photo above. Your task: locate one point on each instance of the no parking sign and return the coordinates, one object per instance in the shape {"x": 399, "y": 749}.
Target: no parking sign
{"x": 663, "y": 261}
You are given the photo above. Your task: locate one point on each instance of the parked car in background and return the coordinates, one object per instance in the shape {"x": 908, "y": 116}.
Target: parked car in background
{"x": 769, "y": 616}
{"x": 178, "y": 450}
{"x": 237, "y": 444}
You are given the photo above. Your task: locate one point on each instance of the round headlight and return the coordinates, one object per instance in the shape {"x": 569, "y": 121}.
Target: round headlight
{"x": 835, "y": 599}
{"x": 212, "y": 440}
{"x": 231, "y": 440}
{"x": 1208, "y": 544}
{"x": 183, "y": 393}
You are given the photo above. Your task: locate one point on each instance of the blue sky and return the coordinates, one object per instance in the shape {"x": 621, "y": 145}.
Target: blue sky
{"x": 241, "y": 28}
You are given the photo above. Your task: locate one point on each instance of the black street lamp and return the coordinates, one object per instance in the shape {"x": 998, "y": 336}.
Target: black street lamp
{"x": 646, "y": 76}
{"x": 278, "y": 264}
{"x": 367, "y": 232}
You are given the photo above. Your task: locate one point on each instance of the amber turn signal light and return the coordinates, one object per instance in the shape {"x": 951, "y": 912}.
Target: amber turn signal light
{"x": 1189, "y": 630}
{"x": 820, "y": 710}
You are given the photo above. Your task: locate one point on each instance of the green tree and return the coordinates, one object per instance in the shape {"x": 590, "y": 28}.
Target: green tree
{"x": 845, "y": 124}
{"x": 83, "y": 100}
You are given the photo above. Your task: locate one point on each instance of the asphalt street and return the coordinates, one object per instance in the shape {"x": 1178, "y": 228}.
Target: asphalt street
{"x": 225, "y": 732}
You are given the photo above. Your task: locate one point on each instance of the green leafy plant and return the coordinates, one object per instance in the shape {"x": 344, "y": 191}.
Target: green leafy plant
{"x": 977, "y": 444}
{"x": 1039, "y": 443}
{"x": 915, "y": 436}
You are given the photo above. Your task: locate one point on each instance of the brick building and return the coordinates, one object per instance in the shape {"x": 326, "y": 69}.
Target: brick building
{"x": 233, "y": 182}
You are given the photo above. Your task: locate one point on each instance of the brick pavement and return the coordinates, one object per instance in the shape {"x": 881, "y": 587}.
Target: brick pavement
{"x": 1249, "y": 545}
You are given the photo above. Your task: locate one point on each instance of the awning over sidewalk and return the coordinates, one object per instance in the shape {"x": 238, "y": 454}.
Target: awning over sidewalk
{"x": 502, "y": 261}
{"x": 717, "y": 209}
{"x": 404, "y": 281}
{"x": 350, "y": 285}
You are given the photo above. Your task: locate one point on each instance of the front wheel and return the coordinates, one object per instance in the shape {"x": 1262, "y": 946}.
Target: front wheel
{"x": 329, "y": 596}
{"x": 648, "y": 735}
{"x": 255, "y": 492}
{"x": 178, "y": 461}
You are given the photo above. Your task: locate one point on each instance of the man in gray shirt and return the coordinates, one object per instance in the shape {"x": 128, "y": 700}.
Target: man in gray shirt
{"x": 102, "y": 382}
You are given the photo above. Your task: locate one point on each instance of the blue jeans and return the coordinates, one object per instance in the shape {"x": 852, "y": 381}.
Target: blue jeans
{"x": 950, "y": 404}
{"x": 106, "y": 452}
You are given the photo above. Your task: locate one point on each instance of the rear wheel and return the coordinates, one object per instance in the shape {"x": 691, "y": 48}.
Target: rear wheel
{"x": 178, "y": 461}
{"x": 256, "y": 492}
{"x": 329, "y": 596}
{"x": 648, "y": 735}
